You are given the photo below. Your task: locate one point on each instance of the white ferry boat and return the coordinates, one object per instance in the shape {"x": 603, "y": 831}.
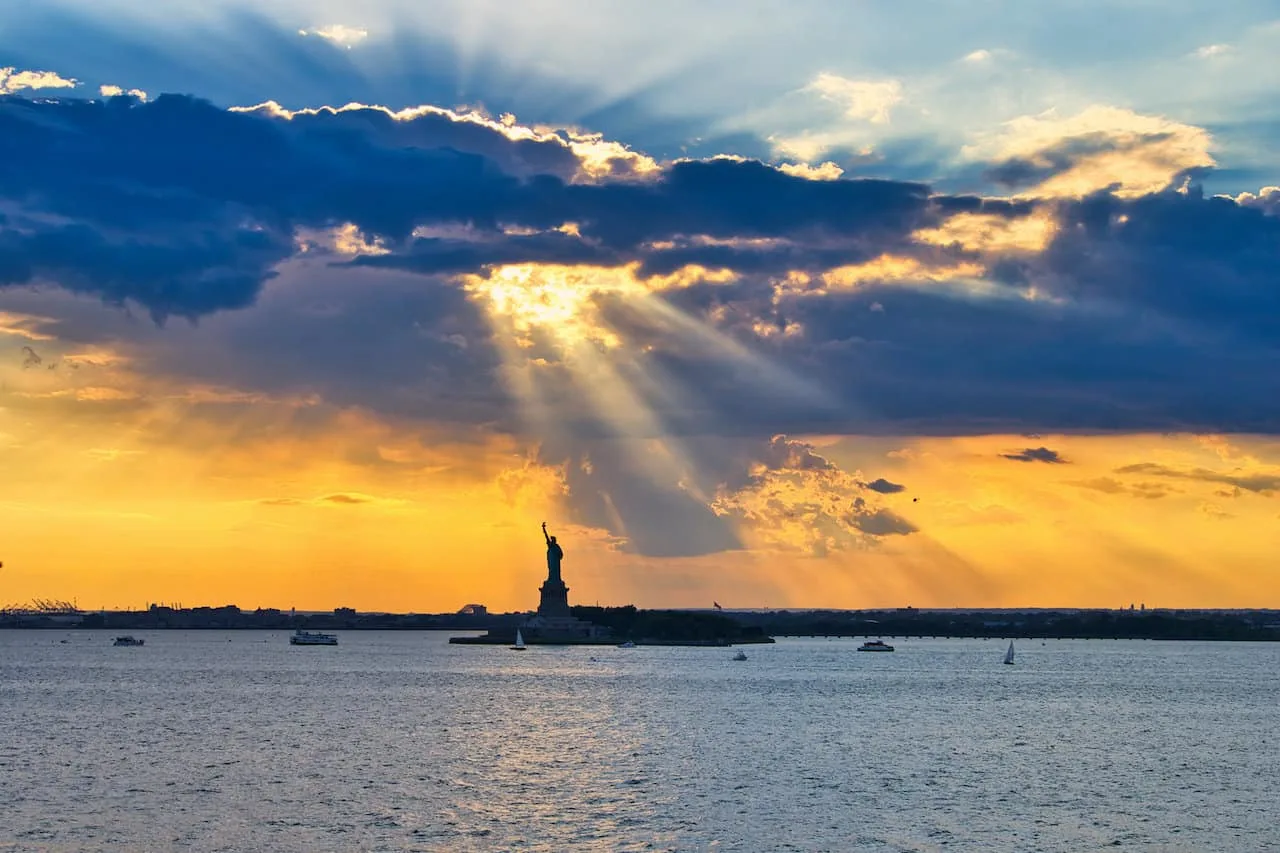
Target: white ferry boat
{"x": 312, "y": 638}
{"x": 875, "y": 646}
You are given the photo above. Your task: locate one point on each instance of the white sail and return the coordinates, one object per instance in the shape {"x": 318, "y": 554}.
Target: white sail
{"x": 1008, "y": 655}
{"x": 519, "y": 639}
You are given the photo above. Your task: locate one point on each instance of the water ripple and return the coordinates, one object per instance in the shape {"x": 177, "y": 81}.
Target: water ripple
{"x": 395, "y": 741}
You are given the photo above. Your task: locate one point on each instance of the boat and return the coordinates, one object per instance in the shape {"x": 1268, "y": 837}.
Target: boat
{"x": 127, "y": 640}
{"x": 312, "y": 638}
{"x": 627, "y": 645}
{"x": 875, "y": 646}
{"x": 1008, "y": 655}
{"x": 739, "y": 655}
{"x": 519, "y": 646}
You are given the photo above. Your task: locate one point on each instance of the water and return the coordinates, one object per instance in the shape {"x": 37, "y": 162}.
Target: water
{"x": 210, "y": 741}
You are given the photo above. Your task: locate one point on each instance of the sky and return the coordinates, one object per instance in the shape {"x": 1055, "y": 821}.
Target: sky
{"x": 809, "y": 304}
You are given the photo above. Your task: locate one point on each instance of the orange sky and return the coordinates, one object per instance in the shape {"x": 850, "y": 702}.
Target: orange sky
{"x": 123, "y": 489}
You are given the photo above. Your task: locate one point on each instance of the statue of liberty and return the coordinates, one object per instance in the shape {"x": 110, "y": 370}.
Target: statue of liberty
{"x": 554, "y": 555}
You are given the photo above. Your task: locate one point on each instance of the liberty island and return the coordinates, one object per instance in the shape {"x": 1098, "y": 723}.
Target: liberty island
{"x": 555, "y": 624}
{"x": 552, "y": 623}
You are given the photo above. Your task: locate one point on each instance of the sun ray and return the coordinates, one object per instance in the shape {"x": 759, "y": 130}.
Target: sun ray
{"x": 552, "y": 332}
{"x": 778, "y": 380}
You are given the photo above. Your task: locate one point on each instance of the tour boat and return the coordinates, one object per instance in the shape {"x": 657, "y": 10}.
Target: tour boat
{"x": 740, "y": 655}
{"x": 310, "y": 638}
{"x": 875, "y": 646}
{"x": 128, "y": 641}
{"x": 627, "y": 645}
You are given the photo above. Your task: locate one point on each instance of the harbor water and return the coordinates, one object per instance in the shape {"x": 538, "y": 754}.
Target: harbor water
{"x": 238, "y": 741}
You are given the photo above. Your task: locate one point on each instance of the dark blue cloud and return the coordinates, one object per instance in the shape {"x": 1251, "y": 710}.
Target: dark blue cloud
{"x": 1157, "y": 312}
{"x": 143, "y": 175}
{"x": 1208, "y": 262}
{"x": 187, "y": 275}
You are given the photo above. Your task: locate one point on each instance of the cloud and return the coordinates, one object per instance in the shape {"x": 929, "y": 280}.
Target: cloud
{"x": 1262, "y": 483}
{"x": 335, "y": 499}
{"x": 864, "y": 108}
{"x": 1036, "y": 454}
{"x": 24, "y": 326}
{"x": 827, "y": 171}
{"x": 12, "y": 80}
{"x": 863, "y": 100}
{"x": 716, "y": 495}
{"x": 793, "y": 499}
{"x": 338, "y": 34}
{"x": 117, "y": 91}
{"x": 1215, "y": 512}
{"x": 142, "y": 217}
{"x": 1100, "y": 148}
{"x": 1266, "y": 199}
{"x": 1112, "y": 486}
{"x": 342, "y": 498}
{"x": 1192, "y": 260}
{"x": 1105, "y": 311}
{"x": 882, "y": 522}
{"x": 884, "y": 487}
{"x": 1210, "y": 51}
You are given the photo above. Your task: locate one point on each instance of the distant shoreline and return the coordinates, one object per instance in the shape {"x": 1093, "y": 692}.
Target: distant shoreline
{"x": 1260, "y": 625}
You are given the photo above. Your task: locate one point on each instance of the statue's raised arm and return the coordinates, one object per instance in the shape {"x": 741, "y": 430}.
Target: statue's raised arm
{"x": 544, "y": 533}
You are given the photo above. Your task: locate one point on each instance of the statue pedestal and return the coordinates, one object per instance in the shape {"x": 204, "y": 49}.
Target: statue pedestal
{"x": 553, "y": 622}
{"x": 555, "y": 598}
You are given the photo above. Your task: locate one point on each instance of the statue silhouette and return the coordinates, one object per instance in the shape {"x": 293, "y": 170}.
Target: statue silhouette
{"x": 554, "y": 555}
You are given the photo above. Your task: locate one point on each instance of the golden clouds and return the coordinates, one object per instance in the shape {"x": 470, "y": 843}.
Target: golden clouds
{"x": 532, "y": 486}
{"x": 24, "y": 325}
{"x": 603, "y": 158}
{"x": 979, "y": 232}
{"x": 554, "y": 300}
{"x": 13, "y": 80}
{"x": 561, "y": 302}
{"x": 109, "y": 91}
{"x": 1101, "y": 147}
{"x": 898, "y": 268}
{"x": 345, "y": 239}
{"x": 827, "y": 171}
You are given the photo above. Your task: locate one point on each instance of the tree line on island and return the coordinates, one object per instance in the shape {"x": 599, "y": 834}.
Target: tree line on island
{"x": 630, "y": 622}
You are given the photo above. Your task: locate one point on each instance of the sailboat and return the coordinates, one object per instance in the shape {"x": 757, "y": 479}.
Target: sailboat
{"x": 519, "y": 646}
{"x": 1008, "y": 655}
